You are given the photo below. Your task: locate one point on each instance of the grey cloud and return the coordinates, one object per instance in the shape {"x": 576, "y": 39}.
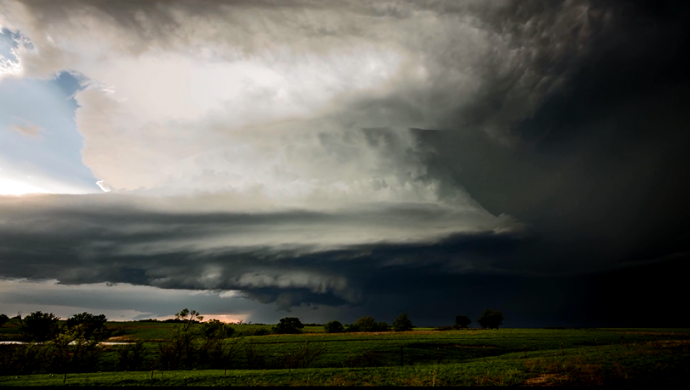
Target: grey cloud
{"x": 77, "y": 240}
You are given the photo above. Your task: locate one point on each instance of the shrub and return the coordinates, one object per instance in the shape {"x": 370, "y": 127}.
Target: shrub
{"x": 334, "y": 327}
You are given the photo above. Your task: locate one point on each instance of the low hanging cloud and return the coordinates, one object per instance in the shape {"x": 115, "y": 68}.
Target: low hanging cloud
{"x": 315, "y": 255}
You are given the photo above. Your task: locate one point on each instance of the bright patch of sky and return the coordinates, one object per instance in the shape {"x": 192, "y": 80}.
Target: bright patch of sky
{"x": 40, "y": 147}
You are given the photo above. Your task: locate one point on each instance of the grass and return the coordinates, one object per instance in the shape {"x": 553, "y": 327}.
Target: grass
{"x": 431, "y": 358}
{"x": 608, "y": 365}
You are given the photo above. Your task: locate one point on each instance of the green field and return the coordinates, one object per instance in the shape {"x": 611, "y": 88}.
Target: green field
{"x": 429, "y": 358}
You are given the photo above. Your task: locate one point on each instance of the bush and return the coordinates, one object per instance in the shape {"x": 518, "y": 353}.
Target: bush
{"x": 402, "y": 323}
{"x": 334, "y": 327}
{"x": 383, "y": 327}
{"x": 288, "y": 325}
{"x": 4, "y": 319}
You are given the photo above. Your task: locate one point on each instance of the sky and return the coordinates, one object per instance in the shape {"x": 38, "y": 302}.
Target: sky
{"x": 254, "y": 160}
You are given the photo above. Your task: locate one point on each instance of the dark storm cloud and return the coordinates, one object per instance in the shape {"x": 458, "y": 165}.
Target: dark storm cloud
{"x": 600, "y": 168}
{"x": 80, "y": 241}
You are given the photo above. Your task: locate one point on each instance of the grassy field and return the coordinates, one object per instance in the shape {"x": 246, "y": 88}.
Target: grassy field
{"x": 429, "y": 357}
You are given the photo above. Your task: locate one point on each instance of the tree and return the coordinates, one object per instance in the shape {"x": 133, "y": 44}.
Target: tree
{"x": 217, "y": 329}
{"x": 89, "y": 326}
{"x": 462, "y": 321}
{"x": 4, "y": 319}
{"x": 188, "y": 317}
{"x": 288, "y": 325}
{"x": 383, "y": 327}
{"x": 41, "y": 326}
{"x": 333, "y": 327}
{"x": 402, "y": 323}
{"x": 491, "y": 319}
{"x": 365, "y": 324}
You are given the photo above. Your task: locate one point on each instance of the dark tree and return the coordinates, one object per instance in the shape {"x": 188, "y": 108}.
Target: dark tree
{"x": 491, "y": 319}
{"x": 366, "y": 324}
{"x": 217, "y": 329}
{"x": 89, "y": 326}
{"x": 3, "y": 319}
{"x": 188, "y": 317}
{"x": 333, "y": 327}
{"x": 462, "y": 321}
{"x": 383, "y": 327}
{"x": 288, "y": 325}
{"x": 402, "y": 323}
{"x": 40, "y": 326}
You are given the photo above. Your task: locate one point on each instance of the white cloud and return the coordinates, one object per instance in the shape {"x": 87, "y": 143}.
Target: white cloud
{"x": 195, "y": 95}
{"x": 247, "y": 108}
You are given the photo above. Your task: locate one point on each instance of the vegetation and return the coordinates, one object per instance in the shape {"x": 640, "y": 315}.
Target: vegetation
{"x": 40, "y": 326}
{"x": 192, "y": 352}
{"x": 462, "y": 321}
{"x": 88, "y": 326}
{"x": 581, "y": 361}
{"x": 3, "y": 319}
{"x": 491, "y": 319}
{"x": 334, "y": 327}
{"x": 402, "y": 323}
{"x": 288, "y": 325}
{"x": 368, "y": 324}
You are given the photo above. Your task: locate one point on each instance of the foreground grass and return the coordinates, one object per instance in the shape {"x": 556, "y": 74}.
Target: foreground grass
{"x": 654, "y": 362}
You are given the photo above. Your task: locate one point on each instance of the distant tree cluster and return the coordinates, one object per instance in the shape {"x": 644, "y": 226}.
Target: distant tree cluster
{"x": 369, "y": 324}
{"x": 490, "y": 319}
{"x": 288, "y": 325}
{"x": 40, "y": 327}
{"x": 462, "y": 321}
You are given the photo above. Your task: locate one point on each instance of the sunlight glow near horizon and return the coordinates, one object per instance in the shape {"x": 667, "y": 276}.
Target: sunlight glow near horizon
{"x": 11, "y": 187}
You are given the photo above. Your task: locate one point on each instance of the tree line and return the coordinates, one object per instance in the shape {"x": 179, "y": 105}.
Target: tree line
{"x": 73, "y": 346}
{"x": 39, "y": 326}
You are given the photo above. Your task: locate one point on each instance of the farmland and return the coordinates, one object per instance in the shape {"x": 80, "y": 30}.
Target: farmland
{"x": 423, "y": 357}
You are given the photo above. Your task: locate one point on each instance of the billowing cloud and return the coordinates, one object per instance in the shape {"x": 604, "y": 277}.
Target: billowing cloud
{"x": 303, "y": 153}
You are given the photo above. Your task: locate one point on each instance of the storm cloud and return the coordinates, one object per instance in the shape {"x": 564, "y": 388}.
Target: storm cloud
{"x": 357, "y": 157}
